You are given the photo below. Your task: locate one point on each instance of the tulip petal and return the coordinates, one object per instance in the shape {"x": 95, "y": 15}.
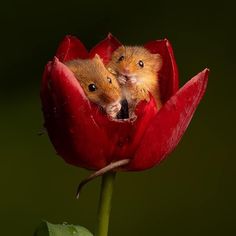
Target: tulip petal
{"x": 69, "y": 121}
{"x": 105, "y": 48}
{"x": 71, "y": 48}
{"x": 169, "y": 124}
{"x": 168, "y": 75}
{"x": 126, "y": 136}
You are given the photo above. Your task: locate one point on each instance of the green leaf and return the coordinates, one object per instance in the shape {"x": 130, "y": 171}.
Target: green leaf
{"x": 48, "y": 229}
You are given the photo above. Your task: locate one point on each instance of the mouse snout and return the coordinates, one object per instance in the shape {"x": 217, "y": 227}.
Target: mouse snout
{"x": 110, "y": 98}
{"x": 125, "y": 71}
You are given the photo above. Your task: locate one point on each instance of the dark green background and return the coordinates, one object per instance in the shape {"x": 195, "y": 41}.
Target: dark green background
{"x": 192, "y": 192}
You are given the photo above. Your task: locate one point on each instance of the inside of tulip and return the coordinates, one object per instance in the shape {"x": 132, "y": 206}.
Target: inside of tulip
{"x": 124, "y": 110}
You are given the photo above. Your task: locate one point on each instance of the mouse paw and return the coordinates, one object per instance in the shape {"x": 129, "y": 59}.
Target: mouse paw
{"x": 132, "y": 80}
{"x": 113, "y": 109}
{"x": 122, "y": 80}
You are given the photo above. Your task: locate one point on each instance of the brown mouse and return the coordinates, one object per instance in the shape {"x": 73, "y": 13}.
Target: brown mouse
{"x": 136, "y": 70}
{"x": 99, "y": 85}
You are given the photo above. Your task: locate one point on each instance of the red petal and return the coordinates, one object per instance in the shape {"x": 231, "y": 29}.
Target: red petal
{"x": 71, "y": 48}
{"x": 69, "y": 121}
{"x": 105, "y": 48}
{"x": 168, "y": 75}
{"x": 170, "y": 123}
{"x": 125, "y": 136}
{"x": 131, "y": 139}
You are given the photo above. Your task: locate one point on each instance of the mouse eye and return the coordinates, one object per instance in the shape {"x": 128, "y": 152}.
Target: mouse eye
{"x": 141, "y": 64}
{"x": 109, "y": 80}
{"x": 92, "y": 87}
{"x": 121, "y": 58}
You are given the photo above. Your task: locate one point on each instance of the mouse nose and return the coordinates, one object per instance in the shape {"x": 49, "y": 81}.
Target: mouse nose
{"x": 126, "y": 70}
{"x": 108, "y": 98}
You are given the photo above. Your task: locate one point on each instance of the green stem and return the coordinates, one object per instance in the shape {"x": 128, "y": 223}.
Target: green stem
{"x": 104, "y": 206}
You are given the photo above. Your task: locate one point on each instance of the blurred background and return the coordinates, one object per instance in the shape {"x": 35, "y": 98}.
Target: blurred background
{"x": 192, "y": 192}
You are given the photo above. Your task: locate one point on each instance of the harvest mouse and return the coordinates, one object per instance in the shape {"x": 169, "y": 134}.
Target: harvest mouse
{"x": 136, "y": 70}
{"x": 98, "y": 83}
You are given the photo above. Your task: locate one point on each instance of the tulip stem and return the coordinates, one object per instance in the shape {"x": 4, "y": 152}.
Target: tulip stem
{"x": 104, "y": 206}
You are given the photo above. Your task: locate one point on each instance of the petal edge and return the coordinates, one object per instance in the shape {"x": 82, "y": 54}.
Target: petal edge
{"x": 105, "y": 48}
{"x": 168, "y": 75}
{"x": 71, "y": 48}
{"x": 170, "y": 123}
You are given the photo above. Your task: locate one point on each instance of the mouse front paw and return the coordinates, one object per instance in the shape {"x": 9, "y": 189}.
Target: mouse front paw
{"x": 113, "y": 109}
{"x": 132, "y": 80}
{"x": 121, "y": 79}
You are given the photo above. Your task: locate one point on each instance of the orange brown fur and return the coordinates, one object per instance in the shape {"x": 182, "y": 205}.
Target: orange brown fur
{"x": 136, "y": 81}
{"x": 93, "y": 71}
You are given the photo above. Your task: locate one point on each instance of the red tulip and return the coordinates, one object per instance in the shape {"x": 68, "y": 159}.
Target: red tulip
{"x": 85, "y": 137}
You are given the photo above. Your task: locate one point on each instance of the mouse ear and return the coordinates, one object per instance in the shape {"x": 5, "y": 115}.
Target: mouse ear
{"x": 159, "y": 61}
{"x": 118, "y": 52}
{"x": 72, "y": 65}
{"x": 121, "y": 48}
{"x": 97, "y": 58}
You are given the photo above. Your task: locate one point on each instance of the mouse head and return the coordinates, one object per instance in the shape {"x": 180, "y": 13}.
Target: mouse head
{"x": 98, "y": 83}
{"x": 134, "y": 61}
